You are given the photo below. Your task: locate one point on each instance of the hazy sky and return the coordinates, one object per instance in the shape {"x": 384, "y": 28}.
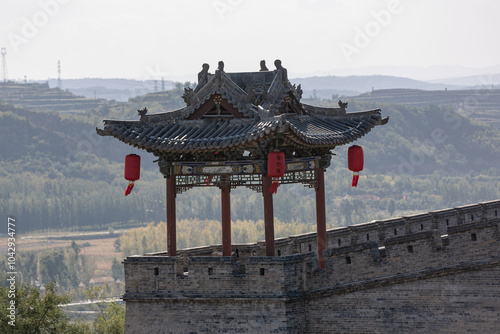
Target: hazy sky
{"x": 154, "y": 39}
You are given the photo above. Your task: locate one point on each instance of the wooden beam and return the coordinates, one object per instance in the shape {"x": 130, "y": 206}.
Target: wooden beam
{"x": 231, "y": 109}
{"x": 171, "y": 217}
{"x": 321, "y": 216}
{"x": 226, "y": 219}
{"x": 268, "y": 214}
{"x": 203, "y": 109}
{"x": 209, "y": 104}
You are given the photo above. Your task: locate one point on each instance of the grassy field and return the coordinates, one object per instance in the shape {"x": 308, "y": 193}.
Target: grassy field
{"x": 101, "y": 248}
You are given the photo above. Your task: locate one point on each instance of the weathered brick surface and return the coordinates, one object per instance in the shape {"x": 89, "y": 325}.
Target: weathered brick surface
{"x": 206, "y": 316}
{"x": 460, "y": 303}
{"x": 433, "y": 272}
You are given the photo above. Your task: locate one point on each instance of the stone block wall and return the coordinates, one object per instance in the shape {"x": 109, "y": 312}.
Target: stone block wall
{"x": 409, "y": 274}
{"x": 460, "y": 302}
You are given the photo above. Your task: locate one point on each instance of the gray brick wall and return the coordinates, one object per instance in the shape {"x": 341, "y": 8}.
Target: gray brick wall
{"x": 433, "y": 272}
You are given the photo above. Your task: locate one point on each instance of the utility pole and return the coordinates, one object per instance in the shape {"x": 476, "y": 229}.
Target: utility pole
{"x": 4, "y": 64}
{"x": 59, "y": 74}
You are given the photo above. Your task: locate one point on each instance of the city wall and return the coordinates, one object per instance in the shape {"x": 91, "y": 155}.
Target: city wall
{"x": 432, "y": 272}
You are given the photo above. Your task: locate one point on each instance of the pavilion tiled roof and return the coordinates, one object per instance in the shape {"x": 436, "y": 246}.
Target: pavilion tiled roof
{"x": 237, "y": 110}
{"x": 217, "y": 134}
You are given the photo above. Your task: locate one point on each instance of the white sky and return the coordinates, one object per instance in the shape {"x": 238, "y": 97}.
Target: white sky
{"x": 171, "y": 38}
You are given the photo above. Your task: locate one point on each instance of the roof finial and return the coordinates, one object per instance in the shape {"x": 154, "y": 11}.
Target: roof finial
{"x": 203, "y": 72}
{"x": 284, "y": 72}
{"x": 343, "y": 105}
{"x": 142, "y": 113}
{"x": 221, "y": 66}
{"x": 263, "y": 66}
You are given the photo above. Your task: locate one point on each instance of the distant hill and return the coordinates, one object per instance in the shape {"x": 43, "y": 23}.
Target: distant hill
{"x": 429, "y": 74}
{"x": 56, "y": 172}
{"x": 39, "y": 96}
{"x": 481, "y": 104}
{"x": 168, "y": 100}
{"x": 325, "y": 87}
{"x": 319, "y": 86}
{"x": 481, "y": 81}
{"x": 113, "y": 89}
{"x": 59, "y": 140}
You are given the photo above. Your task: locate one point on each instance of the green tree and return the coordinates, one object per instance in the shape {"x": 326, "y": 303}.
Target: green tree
{"x": 117, "y": 245}
{"x": 76, "y": 249}
{"x": 391, "y": 207}
{"x": 27, "y": 262}
{"x": 111, "y": 316}
{"x": 117, "y": 270}
{"x": 346, "y": 208}
{"x": 36, "y": 313}
{"x": 53, "y": 268}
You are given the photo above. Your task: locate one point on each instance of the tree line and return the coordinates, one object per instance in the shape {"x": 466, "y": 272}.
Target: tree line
{"x": 425, "y": 158}
{"x": 67, "y": 267}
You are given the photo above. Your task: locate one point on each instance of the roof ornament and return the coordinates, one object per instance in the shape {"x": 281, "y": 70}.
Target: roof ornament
{"x": 221, "y": 66}
{"x": 204, "y": 73}
{"x": 299, "y": 90}
{"x": 284, "y": 72}
{"x": 218, "y": 74}
{"x": 202, "y": 79}
{"x": 188, "y": 94}
{"x": 343, "y": 105}
{"x": 263, "y": 66}
{"x": 142, "y": 113}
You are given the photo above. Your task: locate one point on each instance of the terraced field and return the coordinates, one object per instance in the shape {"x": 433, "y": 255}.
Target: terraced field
{"x": 481, "y": 104}
{"x": 41, "y": 97}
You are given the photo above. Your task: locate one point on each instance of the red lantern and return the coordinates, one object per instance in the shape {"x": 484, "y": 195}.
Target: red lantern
{"x": 275, "y": 168}
{"x": 355, "y": 162}
{"x": 132, "y": 171}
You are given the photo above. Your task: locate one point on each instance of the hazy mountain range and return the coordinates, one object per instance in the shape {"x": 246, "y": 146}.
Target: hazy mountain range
{"x": 345, "y": 82}
{"x": 444, "y": 73}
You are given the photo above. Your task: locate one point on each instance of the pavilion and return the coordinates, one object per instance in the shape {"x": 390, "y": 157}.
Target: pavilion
{"x": 225, "y": 134}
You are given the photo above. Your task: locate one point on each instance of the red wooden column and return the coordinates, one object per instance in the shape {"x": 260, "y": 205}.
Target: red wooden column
{"x": 226, "y": 219}
{"x": 268, "y": 214}
{"x": 321, "y": 216}
{"x": 171, "y": 218}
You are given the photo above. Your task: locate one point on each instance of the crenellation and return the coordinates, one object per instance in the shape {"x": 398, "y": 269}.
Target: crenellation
{"x": 287, "y": 246}
{"x": 362, "y": 233}
{"x": 491, "y": 209}
{"x": 445, "y": 218}
{"x": 394, "y": 227}
{"x": 418, "y": 223}
{"x": 339, "y": 237}
{"x": 470, "y": 213}
{"x": 290, "y": 293}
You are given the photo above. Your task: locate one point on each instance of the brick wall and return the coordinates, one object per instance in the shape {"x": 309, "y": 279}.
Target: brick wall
{"x": 407, "y": 275}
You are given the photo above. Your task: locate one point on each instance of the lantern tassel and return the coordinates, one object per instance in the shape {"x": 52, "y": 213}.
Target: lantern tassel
{"x": 274, "y": 187}
{"x": 129, "y": 188}
{"x": 355, "y": 179}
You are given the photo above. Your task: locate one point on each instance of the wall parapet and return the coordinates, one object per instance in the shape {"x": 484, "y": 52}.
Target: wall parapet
{"x": 360, "y": 256}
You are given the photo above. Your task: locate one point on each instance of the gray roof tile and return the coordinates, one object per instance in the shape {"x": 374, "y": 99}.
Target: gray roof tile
{"x": 173, "y": 132}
